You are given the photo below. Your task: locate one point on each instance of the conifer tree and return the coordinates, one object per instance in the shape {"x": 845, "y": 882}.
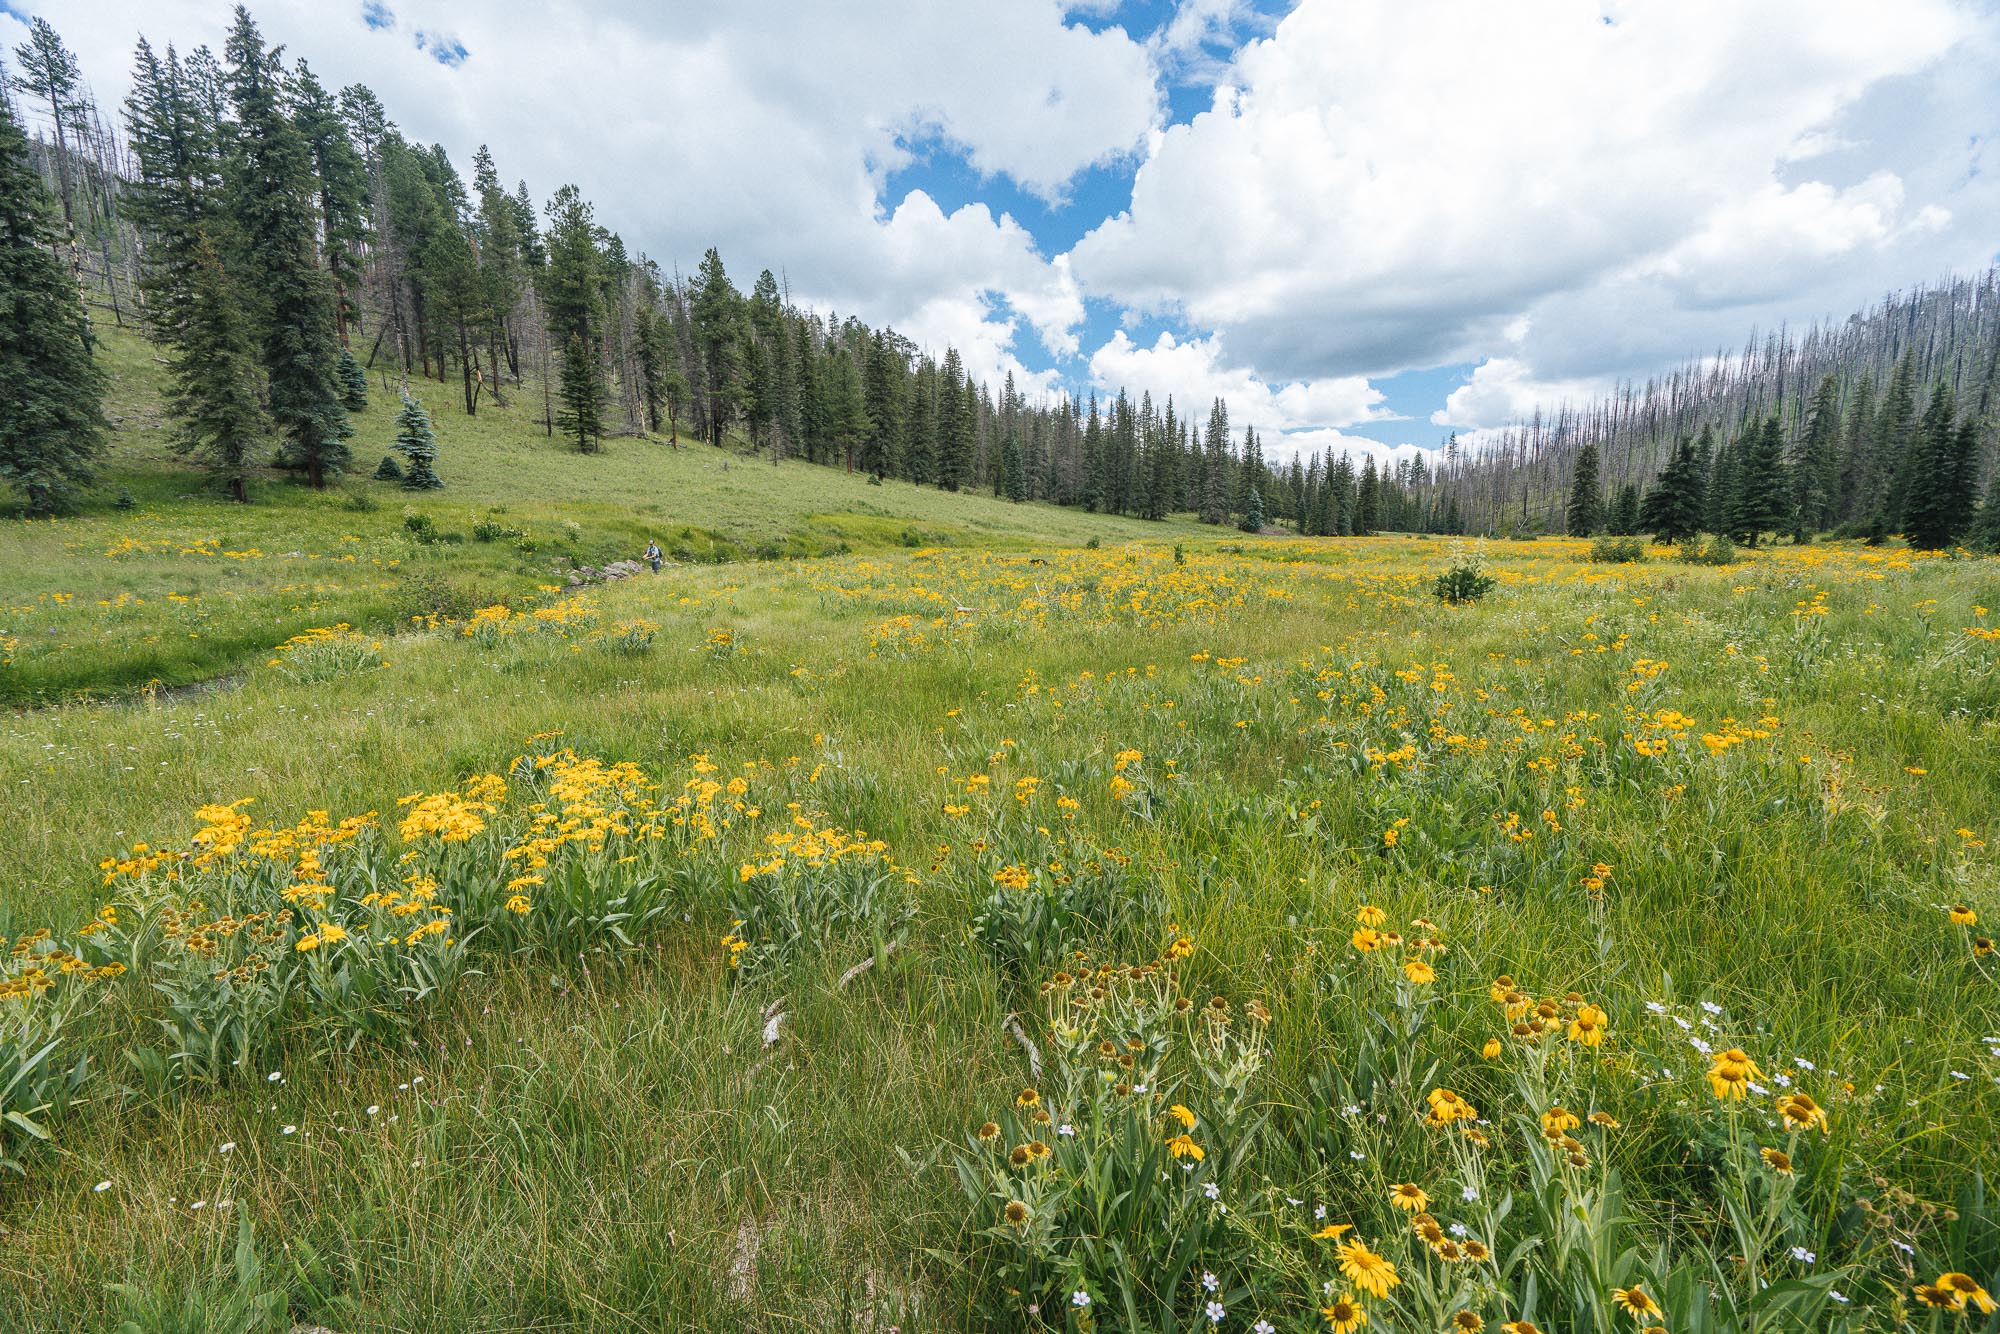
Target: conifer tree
{"x": 1585, "y": 513}
{"x": 340, "y": 187}
{"x": 51, "y": 389}
{"x": 1623, "y": 518}
{"x": 1815, "y": 466}
{"x": 1986, "y": 525}
{"x": 1013, "y": 471}
{"x": 1215, "y": 466}
{"x": 1367, "y": 499}
{"x": 1253, "y": 511}
{"x": 171, "y": 196}
{"x": 1938, "y": 500}
{"x": 956, "y": 424}
{"x": 1889, "y": 446}
{"x": 388, "y": 470}
{"x": 270, "y": 187}
{"x": 213, "y": 391}
{"x": 574, "y": 313}
{"x": 1762, "y": 492}
{"x": 48, "y": 70}
{"x": 1719, "y": 488}
{"x": 418, "y": 442}
{"x": 717, "y": 328}
{"x": 1673, "y": 510}
{"x": 353, "y": 382}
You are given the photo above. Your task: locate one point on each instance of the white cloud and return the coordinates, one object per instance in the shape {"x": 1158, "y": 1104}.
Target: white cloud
{"x": 1385, "y": 185}
{"x": 1503, "y": 390}
{"x": 765, "y": 128}
{"x": 1194, "y": 372}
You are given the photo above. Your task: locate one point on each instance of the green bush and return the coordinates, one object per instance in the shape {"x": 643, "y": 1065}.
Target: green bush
{"x": 1716, "y": 550}
{"x": 1463, "y": 583}
{"x": 1618, "y": 551}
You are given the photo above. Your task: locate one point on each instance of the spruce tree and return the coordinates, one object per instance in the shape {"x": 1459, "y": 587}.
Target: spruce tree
{"x": 388, "y": 470}
{"x": 1367, "y": 499}
{"x": 575, "y": 318}
{"x": 1815, "y": 462}
{"x": 1985, "y": 535}
{"x": 1673, "y": 511}
{"x": 1762, "y": 492}
{"x": 170, "y": 198}
{"x": 1215, "y": 466}
{"x": 1889, "y": 446}
{"x": 341, "y": 188}
{"x": 1013, "y": 471}
{"x": 1624, "y": 516}
{"x": 1719, "y": 488}
{"x": 1585, "y": 513}
{"x": 1253, "y": 511}
{"x": 268, "y": 195}
{"x": 353, "y": 382}
{"x": 717, "y": 310}
{"x": 1943, "y": 459}
{"x": 51, "y": 389}
{"x": 418, "y": 443}
{"x": 213, "y": 391}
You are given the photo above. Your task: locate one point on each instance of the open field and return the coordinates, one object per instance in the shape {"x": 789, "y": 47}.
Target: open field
{"x": 185, "y": 586}
{"x": 632, "y": 1080}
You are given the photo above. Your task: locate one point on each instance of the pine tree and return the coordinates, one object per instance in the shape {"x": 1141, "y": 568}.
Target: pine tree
{"x": 1013, "y": 471}
{"x": 1889, "y": 445}
{"x": 1215, "y": 466}
{"x": 51, "y": 389}
{"x": 341, "y": 188}
{"x": 1253, "y": 511}
{"x": 170, "y": 199}
{"x": 353, "y": 383}
{"x": 1941, "y": 468}
{"x": 1762, "y": 491}
{"x": 575, "y": 316}
{"x": 1624, "y": 516}
{"x": 213, "y": 392}
{"x": 1367, "y": 499}
{"x": 1585, "y": 514}
{"x": 1985, "y": 534}
{"x": 269, "y": 188}
{"x": 48, "y": 70}
{"x": 1674, "y": 511}
{"x": 418, "y": 443}
{"x": 718, "y": 334}
{"x": 1815, "y": 463}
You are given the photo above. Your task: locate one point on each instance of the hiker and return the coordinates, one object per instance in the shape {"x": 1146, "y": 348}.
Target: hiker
{"x": 653, "y": 556}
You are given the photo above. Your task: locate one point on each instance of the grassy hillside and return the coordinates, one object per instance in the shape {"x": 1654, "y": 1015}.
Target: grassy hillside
{"x": 707, "y": 1043}
{"x": 184, "y": 586}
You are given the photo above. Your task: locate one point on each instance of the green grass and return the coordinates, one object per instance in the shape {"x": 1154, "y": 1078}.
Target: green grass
{"x": 187, "y": 586}
{"x": 607, "y": 1140}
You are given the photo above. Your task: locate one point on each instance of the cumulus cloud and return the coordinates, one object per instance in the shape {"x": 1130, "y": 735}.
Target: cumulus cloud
{"x": 1504, "y": 390}
{"x": 1388, "y": 185}
{"x": 1302, "y": 415}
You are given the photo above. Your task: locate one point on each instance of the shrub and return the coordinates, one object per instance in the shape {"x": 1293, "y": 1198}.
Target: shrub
{"x": 490, "y": 529}
{"x": 419, "y": 526}
{"x": 1716, "y": 550}
{"x": 1618, "y": 551}
{"x": 1463, "y": 583}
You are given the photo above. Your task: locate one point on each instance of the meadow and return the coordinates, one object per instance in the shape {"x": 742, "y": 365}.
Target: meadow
{"x": 1173, "y": 934}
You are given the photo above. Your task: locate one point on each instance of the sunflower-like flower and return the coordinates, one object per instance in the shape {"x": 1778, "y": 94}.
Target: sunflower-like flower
{"x": 1468, "y": 1322}
{"x": 1968, "y": 1290}
{"x": 1345, "y": 1315}
{"x": 1368, "y": 1270}
{"x": 1802, "y": 1113}
{"x": 1410, "y": 1197}
{"x": 1447, "y": 1106}
{"x": 1491, "y": 1051}
{"x": 1963, "y": 916}
{"x": 1777, "y": 1160}
{"x": 1558, "y": 1120}
{"x": 1730, "y": 1074}
{"x": 1182, "y": 1115}
{"x": 1370, "y": 915}
{"x": 1016, "y": 1213}
{"x": 1183, "y": 1146}
{"x": 1636, "y": 1302}
{"x": 1588, "y": 1026}
{"x": 1937, "y": 1298}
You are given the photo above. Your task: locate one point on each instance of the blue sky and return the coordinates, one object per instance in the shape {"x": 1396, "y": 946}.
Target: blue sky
{"x": 1366, "y": 223}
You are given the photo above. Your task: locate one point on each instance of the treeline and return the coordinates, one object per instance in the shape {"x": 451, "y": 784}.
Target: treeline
{"x": 1853, "y": 467}
{"x": 1882, "y": 423}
